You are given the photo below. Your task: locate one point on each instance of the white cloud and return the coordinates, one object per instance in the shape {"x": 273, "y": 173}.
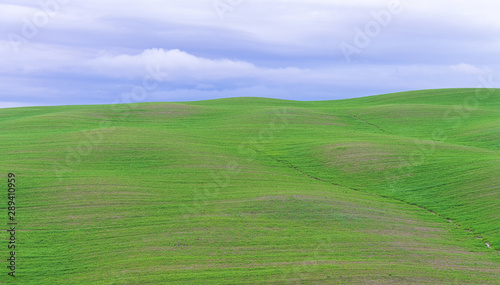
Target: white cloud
{"x": 176, "y": 63}
{"x": 467, "y": 69}
{"x": 180, "y": 66}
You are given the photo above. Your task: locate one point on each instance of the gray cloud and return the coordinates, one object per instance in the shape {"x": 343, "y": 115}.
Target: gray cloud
{"x": 85, "y": 52}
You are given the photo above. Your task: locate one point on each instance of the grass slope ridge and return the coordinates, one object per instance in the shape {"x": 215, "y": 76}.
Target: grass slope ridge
{"x": 259, "y": 191}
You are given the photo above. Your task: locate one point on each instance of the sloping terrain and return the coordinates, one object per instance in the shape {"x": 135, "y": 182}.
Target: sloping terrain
{"x": 396, "y": 188}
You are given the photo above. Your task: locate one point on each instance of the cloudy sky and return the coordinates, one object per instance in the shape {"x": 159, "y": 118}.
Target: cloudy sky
{"x": 59, "y": 52}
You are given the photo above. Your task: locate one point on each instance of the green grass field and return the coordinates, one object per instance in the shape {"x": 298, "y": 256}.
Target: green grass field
{"x": 398, "y": 188}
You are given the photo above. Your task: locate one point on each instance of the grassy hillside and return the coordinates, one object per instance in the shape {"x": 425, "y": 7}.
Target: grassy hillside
{"x": 396, "y": 188}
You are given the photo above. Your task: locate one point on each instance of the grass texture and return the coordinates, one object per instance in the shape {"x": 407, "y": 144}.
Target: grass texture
{"x": 397, "y": 188}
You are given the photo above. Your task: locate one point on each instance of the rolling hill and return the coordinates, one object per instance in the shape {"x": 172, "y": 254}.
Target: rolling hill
{"x": 395, "y": 188}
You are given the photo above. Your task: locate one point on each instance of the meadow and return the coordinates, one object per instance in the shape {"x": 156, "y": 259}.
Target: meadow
{"x": 396, "y": 188}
